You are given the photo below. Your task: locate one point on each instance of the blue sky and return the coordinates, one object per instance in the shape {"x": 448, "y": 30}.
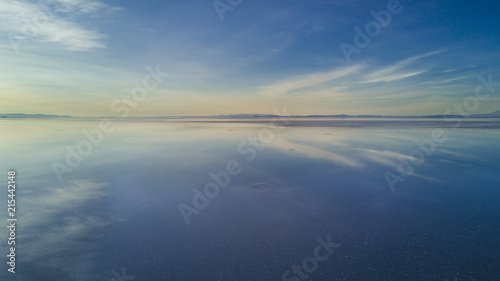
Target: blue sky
{"x": 77, "y": 56}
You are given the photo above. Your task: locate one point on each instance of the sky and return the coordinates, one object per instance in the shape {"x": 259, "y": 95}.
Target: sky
{"x": 95, "y": 58}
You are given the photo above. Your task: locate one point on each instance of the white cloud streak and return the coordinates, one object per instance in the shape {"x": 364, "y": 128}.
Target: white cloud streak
{"x": 293, "y": 83}
{"x": 26, "y": 21}
{"x": 394, "y": 77}
{"x": 395, "y": 72}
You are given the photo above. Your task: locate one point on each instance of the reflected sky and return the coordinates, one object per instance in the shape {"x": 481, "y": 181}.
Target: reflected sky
{"x": 119, "y": 207}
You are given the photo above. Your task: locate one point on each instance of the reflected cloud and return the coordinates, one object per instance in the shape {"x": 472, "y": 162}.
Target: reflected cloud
{"x": 54, "y": 225}
{"x": 311, "y": 176}
{"x": 385, "y": 157}
{"x": 311, "y": 152}
{"x": 57, "y": 200}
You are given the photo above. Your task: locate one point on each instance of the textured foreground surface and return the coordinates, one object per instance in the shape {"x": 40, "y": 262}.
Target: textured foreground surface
{"x": 118, "y": 206}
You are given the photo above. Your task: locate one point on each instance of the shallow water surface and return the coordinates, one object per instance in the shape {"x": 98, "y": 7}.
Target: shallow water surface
{"x": 268, "y": 194}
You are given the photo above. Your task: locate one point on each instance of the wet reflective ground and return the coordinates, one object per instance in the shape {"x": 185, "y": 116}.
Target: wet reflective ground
{"x": 138, "y": 200}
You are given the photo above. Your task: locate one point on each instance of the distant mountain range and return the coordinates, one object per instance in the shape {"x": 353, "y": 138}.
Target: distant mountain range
{"x": 495, "y": 114}
{"x": 22, "y": 115}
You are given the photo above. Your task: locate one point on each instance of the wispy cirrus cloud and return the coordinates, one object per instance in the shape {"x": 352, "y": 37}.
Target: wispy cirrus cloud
{"x": 397, "y": 70}
{"x": 393, "y": 77}
{"x": 298, "y": 82}
{"x": 316, "y": 83}
{"x": 82, "y": 6}
{"x": 53, "y": 21}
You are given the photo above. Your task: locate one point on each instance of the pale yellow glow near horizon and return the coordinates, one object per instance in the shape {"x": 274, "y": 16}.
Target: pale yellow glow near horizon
{"x": 171, "y": 103}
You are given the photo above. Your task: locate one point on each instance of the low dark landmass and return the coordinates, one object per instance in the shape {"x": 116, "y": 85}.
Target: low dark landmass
{"x": 495, "y": 114}
{"x": 22, "y": 115}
